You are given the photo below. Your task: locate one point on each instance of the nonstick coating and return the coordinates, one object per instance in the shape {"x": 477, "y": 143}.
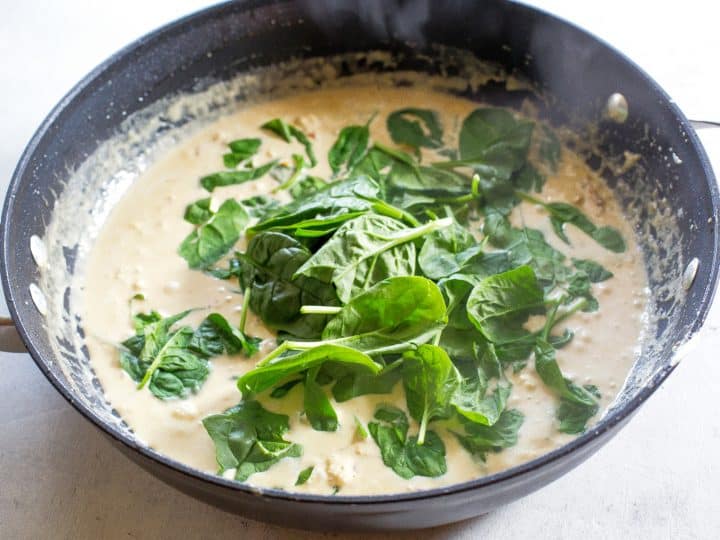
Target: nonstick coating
{"x": 574, "y": 67}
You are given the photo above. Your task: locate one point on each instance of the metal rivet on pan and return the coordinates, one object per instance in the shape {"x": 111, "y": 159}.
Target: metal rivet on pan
{"x": 690, "y": 272}
{"x": 617, "y": 108}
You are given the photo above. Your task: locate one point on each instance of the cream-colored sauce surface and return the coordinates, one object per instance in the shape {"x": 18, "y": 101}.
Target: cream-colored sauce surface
{"x": 136, "y": 252}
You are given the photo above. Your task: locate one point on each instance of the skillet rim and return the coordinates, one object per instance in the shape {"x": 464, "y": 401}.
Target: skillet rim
{"x": 605, "y": 424}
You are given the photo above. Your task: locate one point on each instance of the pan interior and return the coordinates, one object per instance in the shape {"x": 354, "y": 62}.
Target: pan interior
{"x": 91, "y": 189}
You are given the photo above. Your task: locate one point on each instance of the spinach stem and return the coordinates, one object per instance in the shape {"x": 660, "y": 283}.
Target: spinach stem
{"x": 299, "y": 168}
{"x": 423, "y": 429}
{"x": 529, "y": 198}
{"x": 246, "y": 304}
{"x": 320, "y": 310}
{"x": 577, "y": 306}
{"x": 274, "y": 354}
{"x": 381, "y": 207}
{"x": 156, "y": 362}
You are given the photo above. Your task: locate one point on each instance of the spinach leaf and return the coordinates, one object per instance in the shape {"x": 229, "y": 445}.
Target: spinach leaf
{"x": 304, "y": 476}
{"x": 366, "y": 250}
{"x": 549, "y": 149}
{"x": 162, "y": 358}
{"x": 260, "y": 206}
{"x": 479, "y": 439}
{"x": 198, "y": 212}
{"x": 215, "y": 237}
{"x": 430, "y": 380}
{"x": 528, "y": 178}
{"x": 318, "y": 409}
{"x": 324, "y": 210}
{"x": 470, "y": 402}
{"x": 282, "y": 390}
{"x": 349, "y": 148}
{"x": 267, "y": 268}
{"x": 360, "y": 384}
{"x": 415, "y": 127}
{"x": 240, "y": 150}
{"x": 297, "y": 173}
{"x": 493, "y": 142}
{"x": 216, "y": 336}
{"x": 390, "y": 316}
{"x": 578, "y": 404}
{"x": 287, "y": 132}
{"x": 596, "y": 272}
{"x": 309, "y": 185}
{"x": 527, "y": 247}
{"x": 268, "y": 374}
{"x": 249, "y": 439}
{"x": 562, "y": 213}
{"x": 499, "y": 305}
{"x": 446, "y": 251}
{"x": 229, "y": 178}
{"x": 403, "y": 454}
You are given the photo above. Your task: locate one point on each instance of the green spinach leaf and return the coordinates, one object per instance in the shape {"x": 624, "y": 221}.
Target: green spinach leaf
{"x": 349, "y": 148}
{"x": 268, "y": 268}
{"x": 198, "y": 212}
{"x": 162, "y": 358}
{"x": 216, "y": 336}
{"x": 430, "y": 380}
{"x": 415, "y": 127}
{"x": 229, "y": 178}
{"x": 403, "y": 454}
{"x": 240, "y": 150}
{"x": 215, "y": 237}
{"x": 304, "y": 476}
{"x": 392, "y": 316}
{"x": 499, "y": 305}
{"x": 578, "y": 404}
{"x": 249, "y": 439}
{"x": 287, "y": 132}
{"x": 479, "y": 439}
{"x": 318, "y": 409}
{"x": 366, "y": 250}
{"x": 268, "y": 374}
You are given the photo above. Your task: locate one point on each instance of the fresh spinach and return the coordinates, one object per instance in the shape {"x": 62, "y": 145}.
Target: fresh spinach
{"x": 268, "y": 268}
{"x": 287, "y": 132}
{"x": 349, "y": 148}
{"x": 430, "y": 380}
{"x": 401, "y": 453}
{"x": 446, "y": 251}
{"x": 499, "y": 305}
{"x": 229, "y": 178}
{"x": 198, "y": 212}
{"x": 595, "y": 272}
{"x": 240, "y": 150}
{"x": 415, "y": 127}
{"x": 214, "y": 237}
{"x": 366, "y": 250}
{"x": 268, "y": 374}
{"x": 161, "y": 358}
{"x": 216, "y": 336}
{"x": 479, "y": 439}
{"x": 260, "y": 206}
{"x": 249, "y": 439}
{"x": 318, "y": 409}
{"x": 324, "y": 210}
{"x": 493, "y": 143}
{"x": 578, "y": 404}
{"x": 304, "y": 476}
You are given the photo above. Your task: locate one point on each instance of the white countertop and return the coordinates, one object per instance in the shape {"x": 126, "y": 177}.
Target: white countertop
{"x": 59, "y": 478}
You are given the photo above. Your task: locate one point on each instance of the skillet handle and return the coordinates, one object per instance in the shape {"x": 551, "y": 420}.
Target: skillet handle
{"x": 9, "y": 338}
{"x": 702, "y": 124}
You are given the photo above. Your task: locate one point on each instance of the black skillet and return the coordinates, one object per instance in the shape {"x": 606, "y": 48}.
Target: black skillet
{"x": 576, "y": 69}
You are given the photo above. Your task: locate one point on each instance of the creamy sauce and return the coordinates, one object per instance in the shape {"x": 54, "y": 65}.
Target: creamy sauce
{"x": 136, "y": 253}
